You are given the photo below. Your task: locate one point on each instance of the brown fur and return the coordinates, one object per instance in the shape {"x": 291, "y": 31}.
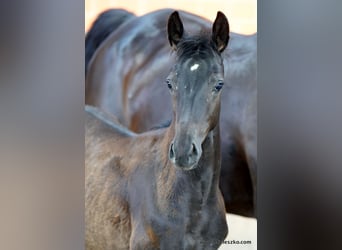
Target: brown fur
{"x": 127, "y": 78}
{"x": 160, "y": 189}
{"x": 110, "y": 171}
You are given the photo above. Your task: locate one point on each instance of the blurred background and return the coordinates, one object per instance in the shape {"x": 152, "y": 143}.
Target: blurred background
{"x": 242, "y": 14}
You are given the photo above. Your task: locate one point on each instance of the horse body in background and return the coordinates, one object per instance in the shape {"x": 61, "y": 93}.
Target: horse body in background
{"x": 104, "y": 25}
{"x": 160, "y": 189}
{"x": 126, "y": 77}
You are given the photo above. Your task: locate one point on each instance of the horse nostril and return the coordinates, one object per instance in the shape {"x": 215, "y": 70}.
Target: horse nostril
{"x": 172, "y": 153}
{"x": 194, "y": 150}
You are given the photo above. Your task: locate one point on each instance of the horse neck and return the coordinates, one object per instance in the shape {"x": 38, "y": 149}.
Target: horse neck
{"x": 210, "y": 163}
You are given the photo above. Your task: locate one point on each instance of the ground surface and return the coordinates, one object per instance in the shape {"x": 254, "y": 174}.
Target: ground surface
{"x": 241, "y": 229}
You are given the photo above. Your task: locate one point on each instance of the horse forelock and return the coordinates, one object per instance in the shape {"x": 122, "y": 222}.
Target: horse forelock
{"x": 200, "y": 46}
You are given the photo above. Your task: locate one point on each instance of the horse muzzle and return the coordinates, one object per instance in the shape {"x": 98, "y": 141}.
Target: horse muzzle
{"x": 185, "y": 154}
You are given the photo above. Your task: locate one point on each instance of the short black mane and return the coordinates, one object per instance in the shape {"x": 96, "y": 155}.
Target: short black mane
{"x": 201, "y": 46}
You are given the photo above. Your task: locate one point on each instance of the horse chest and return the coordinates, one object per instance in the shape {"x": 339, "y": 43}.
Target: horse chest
{"x": 206, "y": 230}
{"x": 203, "y": 229}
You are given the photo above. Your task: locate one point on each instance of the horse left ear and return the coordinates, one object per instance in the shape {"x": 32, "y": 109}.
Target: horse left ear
{"x": 220, "y": 34}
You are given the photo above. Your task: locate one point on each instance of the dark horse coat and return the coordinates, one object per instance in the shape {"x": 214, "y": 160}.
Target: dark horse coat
{"x": 126, "y": 77}
{"x": 160, "y": 189}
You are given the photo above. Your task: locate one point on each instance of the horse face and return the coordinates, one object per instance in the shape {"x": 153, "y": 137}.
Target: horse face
{"x": 195, "y": 87}
{"x": 195, "y": 84}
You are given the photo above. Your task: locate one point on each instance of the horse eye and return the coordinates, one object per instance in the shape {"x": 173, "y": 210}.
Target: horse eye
{"x": 219, "y": 86}
{"x": 169, "y": 85}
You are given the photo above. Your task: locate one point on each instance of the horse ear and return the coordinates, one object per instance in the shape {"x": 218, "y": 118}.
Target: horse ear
{"x": 174, "y": 29}
{"x": 220, "y": 34}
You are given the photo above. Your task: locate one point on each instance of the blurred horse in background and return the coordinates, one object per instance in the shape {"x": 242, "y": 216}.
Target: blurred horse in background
{"x": 104, "y": 24}
{"x": 126, "y": 77}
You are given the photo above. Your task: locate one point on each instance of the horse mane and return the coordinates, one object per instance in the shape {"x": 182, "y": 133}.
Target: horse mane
{"x": 164, "y": 124}
{"x": 201, "y": 46}
{"x": 109, "y": 120}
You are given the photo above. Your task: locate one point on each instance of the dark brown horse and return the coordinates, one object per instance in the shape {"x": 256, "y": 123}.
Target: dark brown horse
{"x": 160, "y": 189}
{"x": 126, "y": 78}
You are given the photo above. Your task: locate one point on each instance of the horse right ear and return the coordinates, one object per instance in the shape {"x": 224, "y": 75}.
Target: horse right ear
{"x": 174, "y": 29}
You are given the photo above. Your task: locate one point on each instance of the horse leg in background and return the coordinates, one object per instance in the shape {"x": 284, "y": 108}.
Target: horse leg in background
{"x": 103, "y": 26}
{"x": 249, "y": 139}
{"x": 237, "y": 194}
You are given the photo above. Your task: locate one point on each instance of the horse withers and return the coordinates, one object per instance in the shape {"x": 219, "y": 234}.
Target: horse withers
{"x": 160, "y": 189}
